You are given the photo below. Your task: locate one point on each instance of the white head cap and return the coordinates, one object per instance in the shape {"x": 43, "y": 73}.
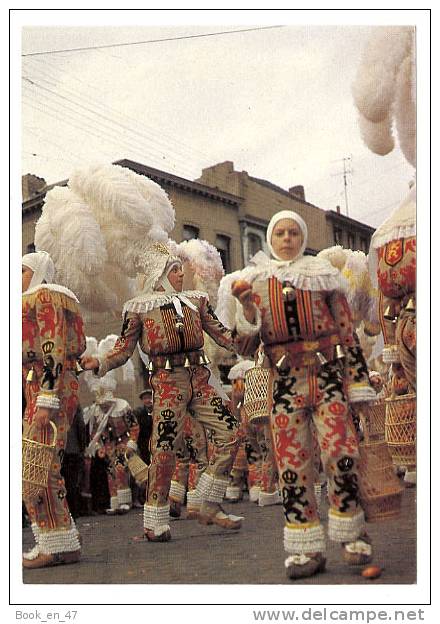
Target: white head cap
{"x": 286, "y": 214}
{"x": 42, "y": 265}
{"x": 155, "y": 264}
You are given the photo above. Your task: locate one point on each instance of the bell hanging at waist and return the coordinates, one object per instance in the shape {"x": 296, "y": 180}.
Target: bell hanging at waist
{"x": 30, "y": 377}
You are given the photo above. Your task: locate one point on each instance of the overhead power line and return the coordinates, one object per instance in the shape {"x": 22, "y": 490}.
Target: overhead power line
{"x": 165, "y": 142}
{"x": 133, "y": 43}
{"x": 108, "y": 125}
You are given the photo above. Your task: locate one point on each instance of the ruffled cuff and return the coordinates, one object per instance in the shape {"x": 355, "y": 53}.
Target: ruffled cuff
{"x": 358, "y": 392}
{"x": 390, "y": 354}
{"x": 242, "y": 325}
{"x": 48, "y": 400}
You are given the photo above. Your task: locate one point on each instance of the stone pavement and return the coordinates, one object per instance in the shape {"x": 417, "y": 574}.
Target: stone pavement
{"x": 199, "y": 554}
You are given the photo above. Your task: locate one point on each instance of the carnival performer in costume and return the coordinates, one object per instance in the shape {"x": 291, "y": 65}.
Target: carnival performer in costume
{"x": 203, "y": 270}
{"x": 260, "y": 465}
{"x": 384, "y": 92}
{"x": 296, "y": 306}
{"x": 53, "y": 339}
{"x": 168, "y": 323}
{"x": 112, "y": 425}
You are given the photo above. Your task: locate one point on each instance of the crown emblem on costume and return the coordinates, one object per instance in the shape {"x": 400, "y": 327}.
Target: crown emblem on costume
{"x": 161, "y": 248}
{"x": 47, "y": 347}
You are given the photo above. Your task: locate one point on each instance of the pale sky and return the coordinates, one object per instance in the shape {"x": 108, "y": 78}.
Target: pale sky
{"x": 277, "y": 102}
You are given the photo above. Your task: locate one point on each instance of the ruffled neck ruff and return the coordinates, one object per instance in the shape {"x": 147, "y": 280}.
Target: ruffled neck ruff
{"x": 307, "y": 273}
{"x": 401, "y": 224}
{"x": 146, "y": 303}
{"x": 54, "y": 288}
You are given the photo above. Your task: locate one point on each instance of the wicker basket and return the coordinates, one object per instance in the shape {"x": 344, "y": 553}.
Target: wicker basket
{"x": 137, "y": 467}
{"x": 380, "y": 489}
{"x": 372, "y": 416}
{"x": 37, "y": 458}
{"x": 400, "y": 429}
{"x": 257, "y": 401}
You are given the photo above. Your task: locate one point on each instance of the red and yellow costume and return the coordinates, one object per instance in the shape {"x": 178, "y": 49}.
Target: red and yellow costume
{"x": 179, "y": 380}
{"x": 191, "y": 462}
{"x": 304, "y": 322}
{"x": 53, "y": 339}
{"x": 392, "y": 261}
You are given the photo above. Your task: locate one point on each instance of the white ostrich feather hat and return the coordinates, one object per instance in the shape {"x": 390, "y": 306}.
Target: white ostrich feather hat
{"x": 97, "y": 227}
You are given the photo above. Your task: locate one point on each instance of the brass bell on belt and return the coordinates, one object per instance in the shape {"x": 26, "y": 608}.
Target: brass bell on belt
{"x": 321, "y": 358}
{"x": 151, "y": 367}
{"x": 339, "y": 352}
{"x": 289, "y": 293}
{"x": 78, "y": 368}
{"x": 201, "y": 359}
{"x": 206, "y": 359}
{"x": 411, "y": 305}
{"x": 389, "y": 314}
{"x": 168, "y": 366}
{"x": 30, "y": 376}
{"x": 186, "y": 363}
{"x": 180, "y": 327}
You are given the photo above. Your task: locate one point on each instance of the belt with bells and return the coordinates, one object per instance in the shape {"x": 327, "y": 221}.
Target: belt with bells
{"x": 305, "y": 352}
{"x": 169, "y": 361}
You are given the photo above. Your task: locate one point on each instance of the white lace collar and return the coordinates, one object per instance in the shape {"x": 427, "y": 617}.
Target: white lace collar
{"x": 146, "y": 303}
{"x": 307, "y": 273}
{"x": 54, "y": 287}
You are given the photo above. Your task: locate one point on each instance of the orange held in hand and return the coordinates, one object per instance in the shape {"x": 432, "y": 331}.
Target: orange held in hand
{"x": 239, "y": 286}
{"x": 372, "y": 572}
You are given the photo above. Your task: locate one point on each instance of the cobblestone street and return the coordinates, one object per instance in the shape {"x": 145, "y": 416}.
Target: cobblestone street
{"x": 251, "y": 556}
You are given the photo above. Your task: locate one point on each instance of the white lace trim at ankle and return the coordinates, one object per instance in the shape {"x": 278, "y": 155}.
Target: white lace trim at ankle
{"x": 177, "y": 492}
{"x": 156, "y": 517}
{"x": 303, "y": 540}
{"x": 35, "y": 530}
{"x": 58, "y": 541}
{"x": 211, "y": 489}
{"x": 233, "y": 492}
{"x": 254, "y": 493}
{"x": 114, "y": 503}
{"x": 193, "y": 499}
{"x": 345, "y": 529}
{"x": 124, "y": 497}
{"x": 269, "y": 498}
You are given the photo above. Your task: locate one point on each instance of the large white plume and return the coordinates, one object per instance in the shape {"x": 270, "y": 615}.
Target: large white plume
{"x": 96, "y": 228}
{"x": 384, "y": 91}
{"x": 203, "y": 266}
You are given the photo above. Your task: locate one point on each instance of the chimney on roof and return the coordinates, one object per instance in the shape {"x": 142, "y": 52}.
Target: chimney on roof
{"x": 31, "y": 185}
{"x": 298, "y": 192}
{"x": 338, "y": 209}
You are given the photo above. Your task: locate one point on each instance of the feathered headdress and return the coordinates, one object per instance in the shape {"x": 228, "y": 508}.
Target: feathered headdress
{"x": 360, "y": 293}
{"x": 203, "y": 266}
{"x": 98, "y": 228}
{"x": 384, "y": 91}
{"x": 336, "y": 255}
